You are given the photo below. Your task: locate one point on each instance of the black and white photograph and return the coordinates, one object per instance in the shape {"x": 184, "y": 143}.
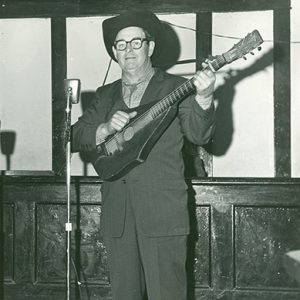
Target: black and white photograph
{"x": 150, "y": 150}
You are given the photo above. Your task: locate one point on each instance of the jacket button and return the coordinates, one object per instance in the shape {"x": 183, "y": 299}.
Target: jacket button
{"x": 124, "y": 181}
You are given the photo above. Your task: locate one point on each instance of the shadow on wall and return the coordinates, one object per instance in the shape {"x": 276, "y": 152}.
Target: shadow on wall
{"x": 224, "y": 96}
{"x": 7, "y": 143}
{"x": 86, "y": 100}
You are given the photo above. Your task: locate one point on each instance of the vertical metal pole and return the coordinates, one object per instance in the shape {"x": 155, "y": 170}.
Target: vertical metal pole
{"x": 68, "y": 225}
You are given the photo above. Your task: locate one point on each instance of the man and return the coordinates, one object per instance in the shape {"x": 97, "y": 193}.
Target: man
{"x": 145, "y": 218}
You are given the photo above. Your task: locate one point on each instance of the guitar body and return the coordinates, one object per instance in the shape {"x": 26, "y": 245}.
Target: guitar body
{"x": 132, "y": 145}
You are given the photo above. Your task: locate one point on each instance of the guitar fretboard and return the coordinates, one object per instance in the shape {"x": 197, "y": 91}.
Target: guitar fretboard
{"x": 184, "y": 89}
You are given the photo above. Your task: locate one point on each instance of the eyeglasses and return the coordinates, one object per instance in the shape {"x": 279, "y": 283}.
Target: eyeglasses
{"x": 135, "y": 43}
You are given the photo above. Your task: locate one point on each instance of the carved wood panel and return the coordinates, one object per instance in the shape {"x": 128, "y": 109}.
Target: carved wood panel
{"x": 262, "y": 237}
{"x": 8, "y": 242}
{"x": 87, "y": 249}
{"x": 239, "y": 234}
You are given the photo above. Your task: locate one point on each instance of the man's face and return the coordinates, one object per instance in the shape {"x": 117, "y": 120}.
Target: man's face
{"x": 133, "y": 59}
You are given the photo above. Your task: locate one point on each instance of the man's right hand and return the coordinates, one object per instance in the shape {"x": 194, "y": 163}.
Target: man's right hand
{"x": 116, "y": 123}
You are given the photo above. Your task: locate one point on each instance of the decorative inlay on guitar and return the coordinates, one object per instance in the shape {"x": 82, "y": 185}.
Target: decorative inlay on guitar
{"x": 125, "y": 149}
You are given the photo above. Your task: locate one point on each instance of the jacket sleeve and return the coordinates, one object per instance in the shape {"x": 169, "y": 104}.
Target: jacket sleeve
{"x": 197, "y": 124}
{"x": 84, "y": 130}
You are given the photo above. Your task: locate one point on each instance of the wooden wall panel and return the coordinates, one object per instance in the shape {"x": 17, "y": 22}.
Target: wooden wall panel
{"x": 87, "y": 246}
{"x": 240, "y": 231}
{"x": 262, "y": 237}
{"x": 23, "y": 253}
{"x": 202, "y": 261}
{"x": 8, "y": 243}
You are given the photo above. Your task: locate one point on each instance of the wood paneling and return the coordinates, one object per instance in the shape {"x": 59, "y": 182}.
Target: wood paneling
{"x": 8, "y": 245}
{"x": 262, "y": 237}
{"x": 240, "y": 232}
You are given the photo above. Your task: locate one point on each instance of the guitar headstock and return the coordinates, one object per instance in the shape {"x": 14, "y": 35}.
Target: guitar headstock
{"x": 250, "y": 42}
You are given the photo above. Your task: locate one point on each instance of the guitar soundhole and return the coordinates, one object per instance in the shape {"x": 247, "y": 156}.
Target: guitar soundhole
{"x": 128, "y": 134}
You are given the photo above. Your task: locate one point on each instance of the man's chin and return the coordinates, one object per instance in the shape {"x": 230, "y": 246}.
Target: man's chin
{"x": 130, "y": 67}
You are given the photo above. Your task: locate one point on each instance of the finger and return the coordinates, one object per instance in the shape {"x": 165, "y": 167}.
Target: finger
{"x": 204, "y": 65}
{"x": 132, "y": 114}
{"x": 121, "y": 115}
{"x": 202, "y": 81}
{"x": 121, "y": 118}
{"x": 116, "y": 125}
{"x": 197, "y": 83}
{"x": 208, "y": 73}
{"x": 119, "y": 121}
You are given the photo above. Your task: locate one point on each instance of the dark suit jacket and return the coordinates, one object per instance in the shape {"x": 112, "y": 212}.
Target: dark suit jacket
{"x": 157, "y": 187}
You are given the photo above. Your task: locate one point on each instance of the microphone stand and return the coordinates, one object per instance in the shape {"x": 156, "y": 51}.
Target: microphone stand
{"x": 72, "y": 91}
{"x": 68, "y": 225}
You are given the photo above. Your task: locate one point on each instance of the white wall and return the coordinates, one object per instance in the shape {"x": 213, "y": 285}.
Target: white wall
{"x": 87, "y": 60}
{"x": 25, "y": 92}
{"x": 246, "y": 113}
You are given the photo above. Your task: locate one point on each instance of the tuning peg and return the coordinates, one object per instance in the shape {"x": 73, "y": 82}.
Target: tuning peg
{"x": 259, "y": 48}
{"x": 251, "y": 53}
{"x": 244, "y": 57}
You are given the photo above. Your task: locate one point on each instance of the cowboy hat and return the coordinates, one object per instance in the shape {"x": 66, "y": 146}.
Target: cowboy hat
{"x": 138, "y": 18}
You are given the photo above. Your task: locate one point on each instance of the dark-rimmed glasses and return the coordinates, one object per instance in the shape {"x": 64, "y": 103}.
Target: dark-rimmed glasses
{"x": 135, "y": 43}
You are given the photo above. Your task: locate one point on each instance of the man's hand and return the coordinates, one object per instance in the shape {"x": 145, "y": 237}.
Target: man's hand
{"x": 116, "y": 123}
{"x": 204, "y": 82}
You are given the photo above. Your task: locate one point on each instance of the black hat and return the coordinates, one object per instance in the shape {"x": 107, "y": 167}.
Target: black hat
{"x": 138, "y": 18}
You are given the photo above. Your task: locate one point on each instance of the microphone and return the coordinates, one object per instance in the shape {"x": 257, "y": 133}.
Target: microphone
{"x": 72, "y": 89}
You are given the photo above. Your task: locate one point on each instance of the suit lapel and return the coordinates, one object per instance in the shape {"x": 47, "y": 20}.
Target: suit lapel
{"x": 151, "y": 93}
{"x": 117, "y": 102}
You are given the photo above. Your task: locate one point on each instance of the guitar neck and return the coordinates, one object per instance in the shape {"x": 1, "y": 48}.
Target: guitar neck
{"x": 184, "y": 89}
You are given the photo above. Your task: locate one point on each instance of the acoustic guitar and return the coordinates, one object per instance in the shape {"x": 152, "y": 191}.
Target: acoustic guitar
{"x": 125, "y": 149}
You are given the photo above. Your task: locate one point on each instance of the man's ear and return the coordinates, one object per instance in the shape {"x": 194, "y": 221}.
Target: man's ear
{"x": 151, "y": 48}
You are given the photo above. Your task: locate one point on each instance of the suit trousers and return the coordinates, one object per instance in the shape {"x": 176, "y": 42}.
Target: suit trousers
{"x": 144, "y": 265}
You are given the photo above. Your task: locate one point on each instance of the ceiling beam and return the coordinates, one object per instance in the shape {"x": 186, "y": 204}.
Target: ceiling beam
{"x": 77, "y": 8}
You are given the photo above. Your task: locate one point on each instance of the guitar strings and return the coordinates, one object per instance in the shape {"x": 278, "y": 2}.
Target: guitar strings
{"x": 186, "y": 86}
{"x": 181, "y": 88}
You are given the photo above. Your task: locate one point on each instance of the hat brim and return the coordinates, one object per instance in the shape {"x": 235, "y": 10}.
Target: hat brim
{"x": 144, "y": 19}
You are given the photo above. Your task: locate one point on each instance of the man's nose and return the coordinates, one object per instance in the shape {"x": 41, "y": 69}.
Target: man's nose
{"x": 128, "y": 47}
